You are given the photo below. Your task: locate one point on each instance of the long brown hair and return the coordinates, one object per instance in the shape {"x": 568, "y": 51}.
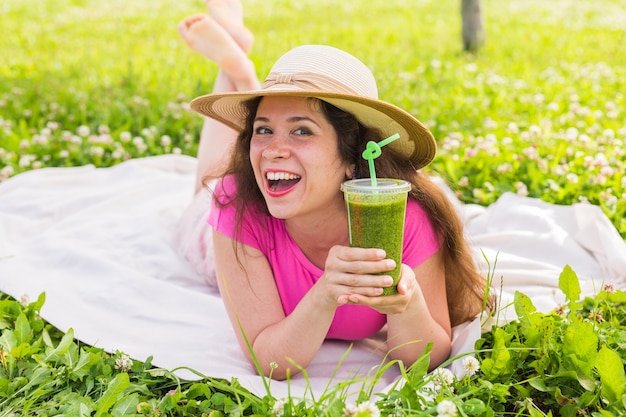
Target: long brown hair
{"x": 465, "y": 286}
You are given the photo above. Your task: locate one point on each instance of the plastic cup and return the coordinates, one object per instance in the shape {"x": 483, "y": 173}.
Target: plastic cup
{"x": 376, "y": 218}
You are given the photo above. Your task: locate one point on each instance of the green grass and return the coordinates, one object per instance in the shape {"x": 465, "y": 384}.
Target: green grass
{"x": 539, "y": 111}
{"x": 543, "y": 99}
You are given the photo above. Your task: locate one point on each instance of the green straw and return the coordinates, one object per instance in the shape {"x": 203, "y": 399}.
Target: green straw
{"x": 372, "y": 151}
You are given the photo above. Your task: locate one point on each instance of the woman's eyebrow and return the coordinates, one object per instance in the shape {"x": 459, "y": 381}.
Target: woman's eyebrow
{"x": 293, "y": 119}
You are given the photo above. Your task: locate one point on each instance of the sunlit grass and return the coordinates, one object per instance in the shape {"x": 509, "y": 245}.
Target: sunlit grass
{"x": 539, "y": 111}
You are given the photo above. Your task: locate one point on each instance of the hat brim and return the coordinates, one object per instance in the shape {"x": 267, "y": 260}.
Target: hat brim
{"x": 416, "y": 142}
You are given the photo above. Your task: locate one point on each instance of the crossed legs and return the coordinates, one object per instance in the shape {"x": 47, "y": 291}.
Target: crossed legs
{"x": 221, "y": 37}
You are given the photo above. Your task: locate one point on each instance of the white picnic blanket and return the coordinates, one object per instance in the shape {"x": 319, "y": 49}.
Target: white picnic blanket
{"x": 100, "y": 243}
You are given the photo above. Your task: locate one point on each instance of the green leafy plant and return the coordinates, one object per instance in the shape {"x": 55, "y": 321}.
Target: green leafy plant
{"x": 566, "y": 362}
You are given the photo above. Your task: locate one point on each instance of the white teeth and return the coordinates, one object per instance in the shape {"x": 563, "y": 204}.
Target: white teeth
{"x": 275, "y": 176}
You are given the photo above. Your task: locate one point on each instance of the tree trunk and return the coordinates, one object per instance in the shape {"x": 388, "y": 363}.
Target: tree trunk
{"x": 473, "y": 35}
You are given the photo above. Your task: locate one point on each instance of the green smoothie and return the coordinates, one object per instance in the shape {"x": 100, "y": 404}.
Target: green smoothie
{"x": 376, "y": 218}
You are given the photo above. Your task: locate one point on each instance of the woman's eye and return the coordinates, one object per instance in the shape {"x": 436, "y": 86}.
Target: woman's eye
{"x": 262, "y": 130}
{"x": 302, "y": 131}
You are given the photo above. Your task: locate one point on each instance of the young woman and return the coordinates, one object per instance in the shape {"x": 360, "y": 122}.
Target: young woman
{"x": 282, "y": 260}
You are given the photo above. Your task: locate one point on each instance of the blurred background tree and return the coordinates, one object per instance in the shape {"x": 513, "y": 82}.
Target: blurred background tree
{"x": 472, "y": 27}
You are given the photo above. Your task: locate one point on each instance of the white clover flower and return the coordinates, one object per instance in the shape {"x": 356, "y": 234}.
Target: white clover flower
{"x": 25, "y": 300}
{"x": 105, "y": 138}
{"x": 504, "y": 168}
{"x": 83, "y": 131}
{"x": 6, "y": 172}
{"x": 177, "y": 151}
{"x": 443, "y": 377}
{"x": 561, "y": 310}
{"x": 607, "y": 171}
{"x": 598, "y": 180}
{"x": 609, "y": 287}
{"x": 166, "y": 140}
{"x": 279, "y": 408}
{"x": 571, "y": 134}
{"x": 123, "y": 363}
{"x": 471, "y": 152}
{"x": 521, "y": 189}
{"x": 66, "y": 135}
{"x": 531, "y": 152}
{"x": 471, "y": 67}
{"x": 40, "y": 139}
{"x": 572, "y": 178}
{"x": 97, "y": 151}
{"x": 446, "y": 408}
{"x": 367, "y": 409}
{"x": 140, "y": 144}
{"x": 349, "y": 410}
{"x": 553, "y": 106}
{"x": 125, "y": 136}
{"x": 26, "y": 160}
{"x": 53, "y": 125}
{"x": 534, "y": 130}
{"x": 600, "y": 160}
{"x": 490, "y": 124}
{"x": 64, "y": 153}
{"x": 471, "y": 365}
{"x": 512, "y": 127}
{"x": 553, "y": 185}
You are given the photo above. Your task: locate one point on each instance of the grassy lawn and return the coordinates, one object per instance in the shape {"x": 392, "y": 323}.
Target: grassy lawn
{"x": 539, "y": 111}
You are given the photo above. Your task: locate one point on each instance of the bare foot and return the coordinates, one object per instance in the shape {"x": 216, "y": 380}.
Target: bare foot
{"x": 205, "y": 36}
{"x": 229, "y": 14}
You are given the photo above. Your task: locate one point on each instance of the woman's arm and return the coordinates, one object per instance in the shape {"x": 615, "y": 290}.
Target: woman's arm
{"x": 426, "y": 318}
{"x": 254, "y": 307}
{"x": 418, "y": 314}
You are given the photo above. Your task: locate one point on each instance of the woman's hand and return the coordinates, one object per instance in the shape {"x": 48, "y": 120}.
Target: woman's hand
{"x": 350, "y": 277}
{"x": 408, "y": 290}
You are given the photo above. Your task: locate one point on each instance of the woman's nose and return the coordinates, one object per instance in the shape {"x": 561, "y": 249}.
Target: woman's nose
{"x": 277, "y": 148}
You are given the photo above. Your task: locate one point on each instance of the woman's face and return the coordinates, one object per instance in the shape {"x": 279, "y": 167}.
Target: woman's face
{"x": 293, "y": 152}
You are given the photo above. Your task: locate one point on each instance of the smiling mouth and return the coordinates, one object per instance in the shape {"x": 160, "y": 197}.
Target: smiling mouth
{"x": 281, "y": 181}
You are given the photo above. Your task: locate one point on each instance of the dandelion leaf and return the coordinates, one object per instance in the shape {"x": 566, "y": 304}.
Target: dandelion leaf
{"x": 523, "y": 305}
{"x": 611, "y": 371}
{"x": 499, "y": 363}
{"x": 580, "y": 347}
{"x": 569, "y": 284}
{"x": 114, "y": 389}
{"x": 23, "y": 332}
{"x": 64, "y": 345}
{"x": 86, "y": 361}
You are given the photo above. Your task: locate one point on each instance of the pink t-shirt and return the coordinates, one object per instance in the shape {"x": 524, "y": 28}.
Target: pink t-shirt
{"x": 295, "y": 274}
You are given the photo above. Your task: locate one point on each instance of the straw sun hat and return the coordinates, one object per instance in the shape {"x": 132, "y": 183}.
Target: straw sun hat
{"x": 338, "y": 78}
